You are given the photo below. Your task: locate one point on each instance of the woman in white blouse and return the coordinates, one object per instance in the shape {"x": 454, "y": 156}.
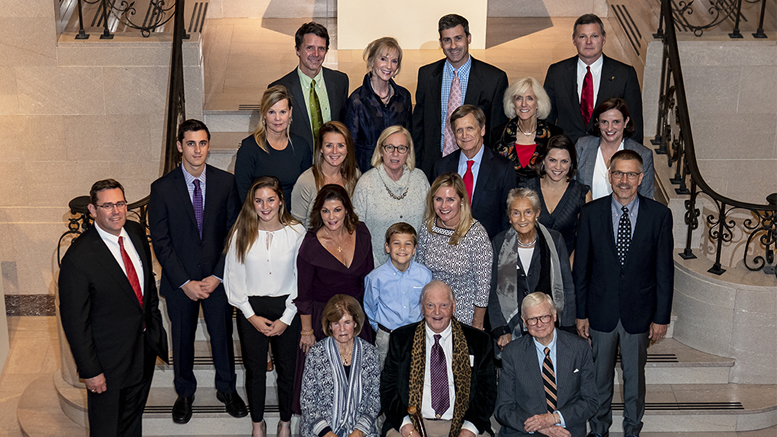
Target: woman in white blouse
{"x": 260, "y": 277}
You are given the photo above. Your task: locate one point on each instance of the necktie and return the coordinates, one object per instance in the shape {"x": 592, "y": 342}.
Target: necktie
{"x": 587, "y": 97}
{"x": 131, "y": 274}
{"x": 469, "y": 179}
{"x": 454, "y": 101}
{"x": 549, "y": 380}
{"x": 439, "y": 378}
{"x": 624, "y": 235}
{"x": 197, "y": 203}
{"x": 316, "y": 119}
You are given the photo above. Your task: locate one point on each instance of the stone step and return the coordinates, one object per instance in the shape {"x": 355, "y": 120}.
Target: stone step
{"x": 242, "y": 120}
{"x": 223, "y": 148}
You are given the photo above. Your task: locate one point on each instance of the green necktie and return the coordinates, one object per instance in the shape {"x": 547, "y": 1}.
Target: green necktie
{"x": 316, "y": 118}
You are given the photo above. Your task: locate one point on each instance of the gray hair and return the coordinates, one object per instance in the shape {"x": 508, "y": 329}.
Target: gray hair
{"x": 537, "y": 298}
{"x": 433, "y": 284}
{"x": 523, "y": 193}
{"x": 520, "y": 87}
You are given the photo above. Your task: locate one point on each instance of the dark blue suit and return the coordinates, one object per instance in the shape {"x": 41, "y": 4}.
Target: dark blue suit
{"x": 184, "y": 256}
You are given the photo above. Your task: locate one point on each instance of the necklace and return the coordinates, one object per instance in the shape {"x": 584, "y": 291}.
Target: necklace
{"x": 339, "y": 246}
{"x": 393, "y": 196}
{"x": 346, "y": 355}
{"x": 526, "y": 245}
{"x": 531, "y": 132}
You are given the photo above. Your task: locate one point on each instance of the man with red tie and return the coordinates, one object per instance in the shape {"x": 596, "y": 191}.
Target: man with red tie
{"x": 578, "y": 84}
{"x": 487, "y": 175}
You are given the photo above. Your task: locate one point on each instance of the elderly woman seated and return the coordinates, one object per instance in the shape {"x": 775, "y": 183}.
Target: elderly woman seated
{"x": 341, "y": 384}
{"x": 540, "y": 256}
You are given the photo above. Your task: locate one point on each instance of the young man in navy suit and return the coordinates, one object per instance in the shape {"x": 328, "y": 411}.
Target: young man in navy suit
{"x": 190, "y": 213}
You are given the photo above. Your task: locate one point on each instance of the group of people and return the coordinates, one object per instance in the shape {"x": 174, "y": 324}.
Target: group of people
{"x": 489, "y": 226}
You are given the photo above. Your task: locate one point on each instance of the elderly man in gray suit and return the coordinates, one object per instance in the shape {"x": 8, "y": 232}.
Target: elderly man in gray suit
{"x": 547, "y": 382}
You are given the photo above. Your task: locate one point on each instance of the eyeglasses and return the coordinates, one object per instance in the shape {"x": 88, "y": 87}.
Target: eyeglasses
{"x": 632, "y": 176}
{"x": 110, "y": 206}
{"x": 389, "y": 148}
{"x": 544, "y": 319}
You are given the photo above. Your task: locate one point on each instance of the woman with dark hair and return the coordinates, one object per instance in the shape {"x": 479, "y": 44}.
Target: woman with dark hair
{"x": 341, "y": 384}
{"x": 334, "y": 258}
{"x": 379, "y": 102}
{"x": 264, "y": 243}
{"x": 272, "y": 150}
{"x": 561, "y": 196}
{"x": 334, "y": 162}
{"x": 612, "y": 129}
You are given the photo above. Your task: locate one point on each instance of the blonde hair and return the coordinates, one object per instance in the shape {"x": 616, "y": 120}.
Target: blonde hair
{"x": 520, "y": 87}
{"x": 450, "y": 179}
{"x": 271, "y": 96}
{"x": 377, "y": 154}
{"x": 380, "y": 47}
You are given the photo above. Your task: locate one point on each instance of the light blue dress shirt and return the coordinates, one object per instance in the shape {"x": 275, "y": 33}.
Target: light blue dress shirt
{"x": 447, "y": 78}
{"x": 391, "y": 297}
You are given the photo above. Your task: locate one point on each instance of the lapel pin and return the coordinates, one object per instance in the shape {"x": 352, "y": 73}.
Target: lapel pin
{"x": 612, "y": 78}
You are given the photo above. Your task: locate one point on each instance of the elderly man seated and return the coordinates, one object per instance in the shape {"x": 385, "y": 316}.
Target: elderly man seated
{"x": 547, "y": 383}
{"x": 443, "y": 368}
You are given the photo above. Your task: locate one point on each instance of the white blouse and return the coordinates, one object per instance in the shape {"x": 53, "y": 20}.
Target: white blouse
{"x": 269, "y": 270}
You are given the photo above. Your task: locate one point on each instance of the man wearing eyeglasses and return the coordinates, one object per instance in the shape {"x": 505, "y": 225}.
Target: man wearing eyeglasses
{"x": 624, "y": 281}
{"x": 110, "y": 313}
{"x": 547, "y": 382}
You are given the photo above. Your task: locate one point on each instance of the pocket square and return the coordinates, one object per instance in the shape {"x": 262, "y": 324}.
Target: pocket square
{"x": 471, "y": 361}
{"x": 576, "y": 370}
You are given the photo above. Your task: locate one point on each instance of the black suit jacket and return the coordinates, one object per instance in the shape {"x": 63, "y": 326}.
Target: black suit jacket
{"x": 101, "y": 316}
{"x": 395, "y": 377}
{"x": 618, "y": 80}
{"x": 495, "y": 180}
{"x": 521, "y": 392}
{"x": 485, "y": 89}
{"x": 336, "y": 89}
{"x": 640, "y": 291}
{"x": 177, "y": 244}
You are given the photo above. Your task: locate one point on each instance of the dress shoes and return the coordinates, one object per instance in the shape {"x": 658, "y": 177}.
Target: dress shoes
{"x": 182, "y": 409}
{"x": 235, "y": 405}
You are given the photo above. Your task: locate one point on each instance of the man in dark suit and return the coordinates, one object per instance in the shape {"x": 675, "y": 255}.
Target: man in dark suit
{"x": 318, "y": 94}
{"x": 437, "y": 95}
{"x": 110, "y": 314}
{"x": 624, "y": 280}
{"x": 454, "y": 392}
{"x": 576, "y": 86}
{"x": 547, "y": 382}
{"x": 190, "y": 213}
{"x": 492, "y": 176}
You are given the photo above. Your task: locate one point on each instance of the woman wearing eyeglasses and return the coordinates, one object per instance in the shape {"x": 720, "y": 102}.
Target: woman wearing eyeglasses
{"x": 393, "y": 191}
{"x": 540, "y": 257}
{"x": 612, "y": 130}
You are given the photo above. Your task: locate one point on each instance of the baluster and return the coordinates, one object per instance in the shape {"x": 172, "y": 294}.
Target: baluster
{"x": 661, "y": 103}
{"x": 106, "y": 31}
{"x": 735, "y": 33}
{"x": 717, "y": 268}
{"x": 81, "y": 33}
{"x": 692, "y": 221}
{"x": 760, "y": 32}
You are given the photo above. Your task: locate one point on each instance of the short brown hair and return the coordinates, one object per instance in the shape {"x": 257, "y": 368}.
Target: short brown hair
{"x": 626, "y": 155}
{"x": 618, "y": 104}
{"x": 337, "y": 307}
{"x": 401, "y": 228}
{"x": 315, "y": 28}
{"x": 333, "y": 192}
{"x": 105, "y": 184}
{"x": 464, "y": 110}
{"x": 588, "y": 19}
{"x": 450, "y": 21}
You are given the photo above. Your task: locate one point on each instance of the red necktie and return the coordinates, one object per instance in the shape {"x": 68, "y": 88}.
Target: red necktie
{"x": 469, "y": 179}
{"x": 587, "y": 97}
{"x": 131, "y": 274}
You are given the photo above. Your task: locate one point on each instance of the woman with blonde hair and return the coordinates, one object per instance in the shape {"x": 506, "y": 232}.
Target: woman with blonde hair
{"x": 379, "y": 102}
{"x": 334, "y": 162}
{"x": 272, "y": 150}
{"x": 456, "y": 248}
{"x": 263, "y": 244}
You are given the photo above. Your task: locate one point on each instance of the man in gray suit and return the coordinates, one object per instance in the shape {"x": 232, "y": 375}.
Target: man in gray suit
{"x": 547, "y": 382}
{"x": 318, "y": 94}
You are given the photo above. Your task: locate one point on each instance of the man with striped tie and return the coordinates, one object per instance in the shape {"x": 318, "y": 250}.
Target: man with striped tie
{"x": 558, "y": 397}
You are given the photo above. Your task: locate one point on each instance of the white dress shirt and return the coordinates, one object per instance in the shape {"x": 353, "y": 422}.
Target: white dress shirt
{"x": 600, "y": 183}
{"x": 596, "y": 75}
{"x": 112, "y": 241}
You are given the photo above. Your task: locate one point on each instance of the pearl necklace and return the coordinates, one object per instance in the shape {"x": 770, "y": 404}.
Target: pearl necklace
{"x": 527, "y": 245}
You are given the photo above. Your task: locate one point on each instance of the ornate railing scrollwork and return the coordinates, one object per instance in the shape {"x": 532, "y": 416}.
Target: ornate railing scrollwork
{"x": 157, "y": 14}
{"x": 720, "y": 10}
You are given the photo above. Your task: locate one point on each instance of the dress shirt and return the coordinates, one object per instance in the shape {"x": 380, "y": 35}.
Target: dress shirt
{"x": 541, "y": 357}
{"x": 478, "y": 158}
{"x": 596, "y": 75}
{"x": 323, "y": 97}
{"x": 391, "y": 297}
{"x": 446, "y": 341}
{"x": 600, "y": 182}
{"x": 525, "y": 254}
{"x": 269, "y": 269}
{"x": 190, "y": 184}
{"x": 112, "y": 241}
{"x": 447, "y": 78}
{"x": 617, "y": 212}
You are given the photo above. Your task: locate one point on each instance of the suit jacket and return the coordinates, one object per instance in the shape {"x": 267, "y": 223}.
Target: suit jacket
{"x": 587, "y": 148}
{"x": 640, "y": 291}
{"x": 521, "y": 392}
{"x": 485, "y": 89}
{"x": 177, "y": 244}
{"x": 618, "y": 80}
{"x": 101, "y": 316}
{"x": 496, "y": 178}
{"x": 336, "y": 89}
{"x": 395, "y": 377}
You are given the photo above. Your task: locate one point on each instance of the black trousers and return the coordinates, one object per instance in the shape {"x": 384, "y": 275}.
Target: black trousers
{"x": 254, "y": 345}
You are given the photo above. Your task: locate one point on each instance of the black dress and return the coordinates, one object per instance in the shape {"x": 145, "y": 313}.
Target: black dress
{"x": 505, "y": 146}
{"x": 286, "y": 165}
{"x": 564, "y": 217}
